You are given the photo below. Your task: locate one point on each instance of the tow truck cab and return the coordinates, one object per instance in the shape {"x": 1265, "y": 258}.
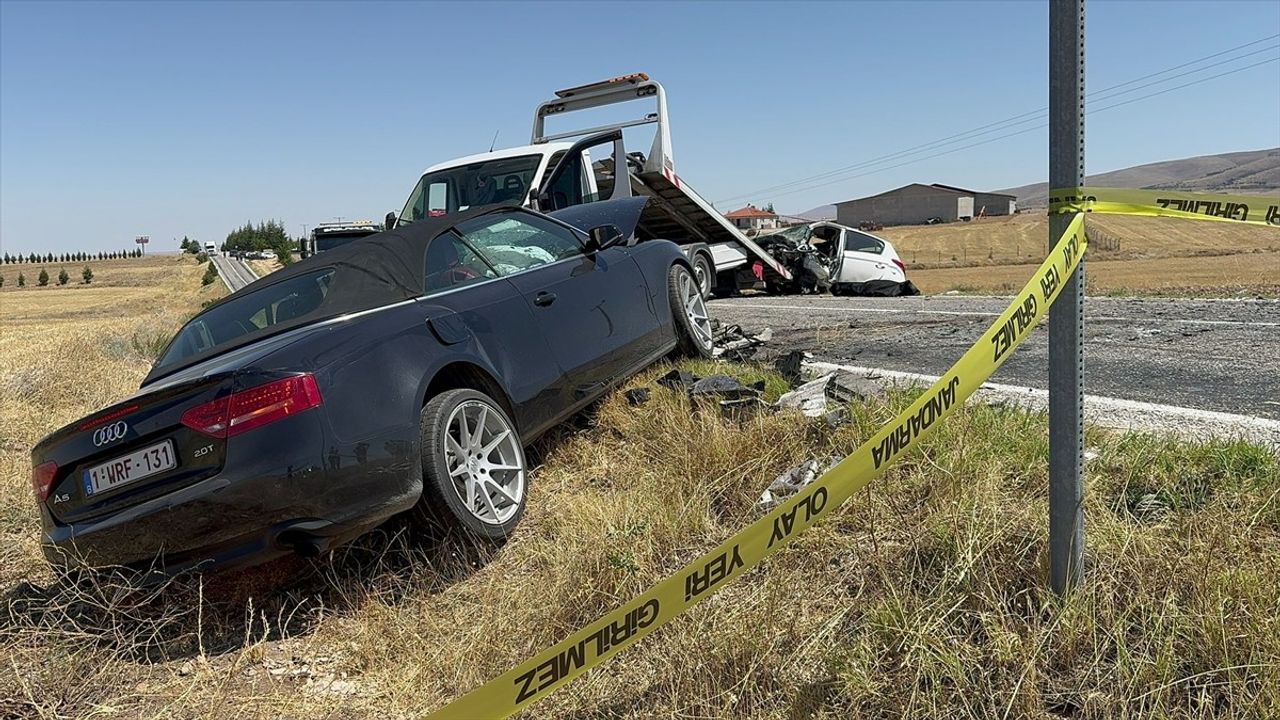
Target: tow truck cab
{"x": 580, "y": 166}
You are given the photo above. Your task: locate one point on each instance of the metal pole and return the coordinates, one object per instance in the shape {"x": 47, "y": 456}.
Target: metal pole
{"x": 1066, "y": 321}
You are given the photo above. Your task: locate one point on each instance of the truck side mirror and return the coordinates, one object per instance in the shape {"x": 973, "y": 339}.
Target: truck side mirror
{"x": 389, "y": 221}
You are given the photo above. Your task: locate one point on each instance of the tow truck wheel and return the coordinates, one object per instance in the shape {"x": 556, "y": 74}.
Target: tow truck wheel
{"x": 704, "y": 274}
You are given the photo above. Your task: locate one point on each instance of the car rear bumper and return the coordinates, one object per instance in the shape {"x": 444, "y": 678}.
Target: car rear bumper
{"x": 270, "y": 499}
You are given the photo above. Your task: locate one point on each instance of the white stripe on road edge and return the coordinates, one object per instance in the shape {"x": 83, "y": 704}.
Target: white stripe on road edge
{"x": 1099, "y": 410}
{"x": 979, "y": 313}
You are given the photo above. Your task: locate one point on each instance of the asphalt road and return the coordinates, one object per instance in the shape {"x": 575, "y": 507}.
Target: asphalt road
{"x": 1221, "y": 355}
{"x": 233, "y": 272}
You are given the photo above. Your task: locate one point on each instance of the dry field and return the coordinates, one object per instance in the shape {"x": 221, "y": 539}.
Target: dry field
{"x": 1127, "y": 255}
{"x": 1025, "y": 237}
{"x": 1253, "y": 275}
{"x": 66, "y": 351}
{"x": 922, "y": 597}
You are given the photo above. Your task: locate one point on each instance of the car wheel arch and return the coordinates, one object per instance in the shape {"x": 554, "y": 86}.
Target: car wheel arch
{"x": 461, "y": 374}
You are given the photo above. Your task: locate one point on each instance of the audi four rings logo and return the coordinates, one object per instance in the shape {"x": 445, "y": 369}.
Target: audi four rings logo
{"x": 109, "y": 433}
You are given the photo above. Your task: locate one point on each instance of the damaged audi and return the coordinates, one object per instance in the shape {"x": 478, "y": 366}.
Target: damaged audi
{"x": 403, "y": 372}
{"x": 824, "y": 256}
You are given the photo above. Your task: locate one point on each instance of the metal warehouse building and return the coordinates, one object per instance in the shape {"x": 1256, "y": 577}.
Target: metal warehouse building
{"x": 917, "y": 203}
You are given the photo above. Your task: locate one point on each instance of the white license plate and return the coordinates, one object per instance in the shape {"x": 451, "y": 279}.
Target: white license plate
{"x": 129, "y": 468}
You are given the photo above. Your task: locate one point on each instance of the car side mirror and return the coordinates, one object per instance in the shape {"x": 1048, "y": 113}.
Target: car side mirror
{"x": 389, "y": 221}
{"x": 602, "y": 237}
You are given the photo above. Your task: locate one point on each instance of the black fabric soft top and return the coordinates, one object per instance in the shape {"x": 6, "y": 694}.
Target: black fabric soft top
{"x": 376, "y": 270}
{"x": 371, "y": 272}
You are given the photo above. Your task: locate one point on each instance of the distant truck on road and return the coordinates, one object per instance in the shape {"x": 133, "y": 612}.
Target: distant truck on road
{"x": 210, "y": 249}
{"x": 327, "y": 236}
{"x": 554, "y": 173}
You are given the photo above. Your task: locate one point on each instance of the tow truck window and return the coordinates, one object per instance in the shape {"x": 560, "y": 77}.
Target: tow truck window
{"x": 492, "y": 182}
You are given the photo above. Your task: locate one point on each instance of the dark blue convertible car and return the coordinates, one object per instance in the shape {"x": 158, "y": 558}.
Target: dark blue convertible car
{"x": 403, "y": 372}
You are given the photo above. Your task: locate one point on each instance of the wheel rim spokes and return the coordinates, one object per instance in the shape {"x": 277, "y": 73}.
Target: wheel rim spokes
{"x": 696, "y": 310}
{"x": 485, "y": 467}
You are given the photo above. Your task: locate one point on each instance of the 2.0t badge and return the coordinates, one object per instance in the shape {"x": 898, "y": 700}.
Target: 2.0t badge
{"x": 109, "y": 433}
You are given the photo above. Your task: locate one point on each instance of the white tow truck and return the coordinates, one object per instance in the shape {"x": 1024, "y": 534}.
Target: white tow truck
{"x": 556, "y": 171}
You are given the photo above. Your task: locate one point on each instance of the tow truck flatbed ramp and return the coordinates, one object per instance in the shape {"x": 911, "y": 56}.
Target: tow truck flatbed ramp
{"x": 678, "y": 212}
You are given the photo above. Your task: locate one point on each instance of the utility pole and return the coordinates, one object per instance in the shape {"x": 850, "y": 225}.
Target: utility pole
{"x": 1066, "y": 322}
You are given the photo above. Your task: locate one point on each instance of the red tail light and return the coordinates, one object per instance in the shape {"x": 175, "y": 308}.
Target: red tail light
{"x": 255, "y": 407}
{"x": 901, "y": 267}
{"x": 42, "y": 479}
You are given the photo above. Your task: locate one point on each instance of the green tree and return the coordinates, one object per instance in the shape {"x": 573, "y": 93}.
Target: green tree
{"x": 210, "y": 275}
{"x": 43, "y": 278}
{"x": 87, "y": 274}
{"x": 22, "y": 280}
{"x": 1, "y": 281}
{"x": 63, "y": 277}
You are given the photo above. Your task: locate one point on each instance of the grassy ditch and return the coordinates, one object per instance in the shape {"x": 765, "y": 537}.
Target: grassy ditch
{"x": 923, "y": 596}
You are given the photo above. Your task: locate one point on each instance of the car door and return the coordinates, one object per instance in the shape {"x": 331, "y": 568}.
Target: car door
{"x": 470, "y": 307}
{"x": 862, "y": 258}
{"x": 592, "y": 308}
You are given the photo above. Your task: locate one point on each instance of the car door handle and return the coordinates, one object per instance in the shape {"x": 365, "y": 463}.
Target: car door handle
{"x": 544, "y": 299}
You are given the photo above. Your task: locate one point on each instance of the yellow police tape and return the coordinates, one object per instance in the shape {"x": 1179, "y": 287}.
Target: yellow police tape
{"x": 1250, "y": 209}
{"x": 554, "y": 667}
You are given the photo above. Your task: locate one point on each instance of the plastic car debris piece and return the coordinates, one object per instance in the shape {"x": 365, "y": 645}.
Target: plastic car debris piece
{"x": 725, "y": 387}
{"x": 734, "y": 343}
{"x": 638, "y": 396}
{"x": 678, "y": 380}
{"x": 789, "y": 366}
{"x": 790, "y": 482}
{"x": 810, "y": 398}
{"x": 842, "y": 387}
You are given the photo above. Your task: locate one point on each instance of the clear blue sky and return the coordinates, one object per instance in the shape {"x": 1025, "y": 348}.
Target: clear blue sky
{"x": 189, "y": 118}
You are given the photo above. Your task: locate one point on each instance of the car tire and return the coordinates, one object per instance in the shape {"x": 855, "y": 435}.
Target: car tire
{"x": 704, "y": 274}
{"x": 689, "y": 314}
{"x": 492, "y": 463}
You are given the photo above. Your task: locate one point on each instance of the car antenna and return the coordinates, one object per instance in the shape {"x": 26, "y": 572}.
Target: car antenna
{"x": 495, "y": 139}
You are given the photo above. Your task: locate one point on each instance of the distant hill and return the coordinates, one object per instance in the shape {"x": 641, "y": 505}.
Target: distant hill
{"x": 1255, "y": 171}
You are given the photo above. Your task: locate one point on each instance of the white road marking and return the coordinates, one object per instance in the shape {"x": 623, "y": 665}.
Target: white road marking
{"x": 1100, "y": 410}
{"x": 979, "y": 313}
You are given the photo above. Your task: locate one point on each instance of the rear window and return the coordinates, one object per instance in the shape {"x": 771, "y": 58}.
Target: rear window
{"x": 271, "y": 305}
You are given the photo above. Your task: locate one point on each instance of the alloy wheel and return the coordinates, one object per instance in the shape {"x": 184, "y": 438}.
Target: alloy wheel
{"x": 695, "y": 308}
{"x": 485, "y": 465}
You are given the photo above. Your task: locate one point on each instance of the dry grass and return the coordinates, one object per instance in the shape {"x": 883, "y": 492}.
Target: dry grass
{"x": 1023, "y": 238}
{"x": 1222, "y": 276}
{"x": 924, "y": 596}
{"x": 264, "y": 267}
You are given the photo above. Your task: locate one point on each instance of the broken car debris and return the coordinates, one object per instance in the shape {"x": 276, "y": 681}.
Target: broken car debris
{"x": 792, "y": 481}
{"x": 733, "y": 343}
